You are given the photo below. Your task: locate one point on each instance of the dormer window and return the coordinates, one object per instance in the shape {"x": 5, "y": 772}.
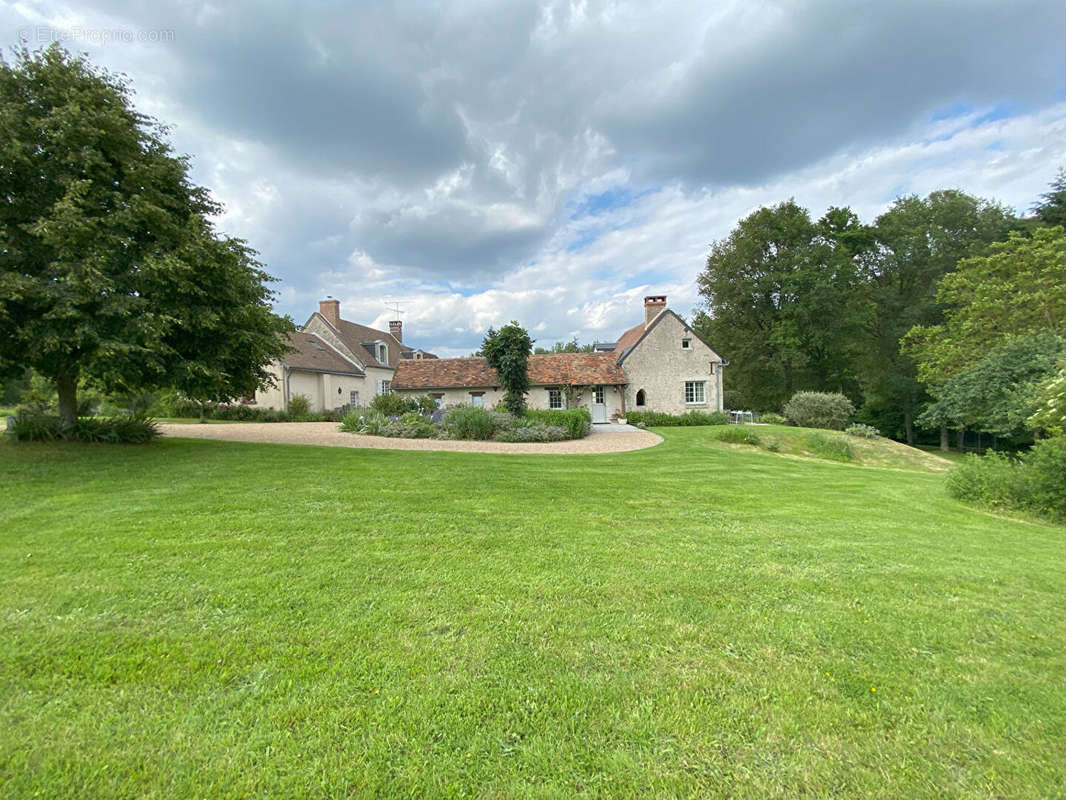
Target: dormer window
{"x": 686, "y": 344}
{"x": 383, "y": 354}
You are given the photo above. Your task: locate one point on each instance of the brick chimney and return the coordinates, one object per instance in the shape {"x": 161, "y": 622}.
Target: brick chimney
{"x": 396, "y": 329}
{"x": 653, "y": 304}
{"x": 331, "y": 310}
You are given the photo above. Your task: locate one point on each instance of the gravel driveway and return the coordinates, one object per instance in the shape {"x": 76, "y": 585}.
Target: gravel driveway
{"x": 330, "y": 435}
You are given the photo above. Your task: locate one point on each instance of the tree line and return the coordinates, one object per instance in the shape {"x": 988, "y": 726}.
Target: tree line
{"x": 946, "y": 312}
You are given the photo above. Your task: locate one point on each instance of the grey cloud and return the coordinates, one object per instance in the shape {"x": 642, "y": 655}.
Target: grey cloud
{"x": 837, "y": 75}
{"x": 362, "y": 109}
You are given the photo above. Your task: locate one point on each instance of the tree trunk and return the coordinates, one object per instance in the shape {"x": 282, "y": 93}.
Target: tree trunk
{"x": 908, "y": 426}
{"x": 67, "y": 386}
{"x": 960, "y": 440}
{"x": 945, "y": 445}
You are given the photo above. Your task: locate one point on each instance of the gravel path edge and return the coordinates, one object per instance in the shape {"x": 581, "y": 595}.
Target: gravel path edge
{"x": 328, "y": 434}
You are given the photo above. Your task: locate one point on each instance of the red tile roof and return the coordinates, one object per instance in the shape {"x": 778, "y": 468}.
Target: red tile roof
{"x": 563, "y": 369}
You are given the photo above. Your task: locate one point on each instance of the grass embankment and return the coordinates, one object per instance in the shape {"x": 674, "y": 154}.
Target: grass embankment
{"x": 214, "y": 620}
{"x": 831, "y": 445}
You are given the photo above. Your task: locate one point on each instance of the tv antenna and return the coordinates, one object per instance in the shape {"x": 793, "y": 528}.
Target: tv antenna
{"x": 394, "y": 307}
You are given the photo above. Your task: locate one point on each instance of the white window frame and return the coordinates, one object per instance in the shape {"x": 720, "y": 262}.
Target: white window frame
{"x": 383, "y": 353}
{"x": 598, "y": 395}
{"x": 384, "y": 387}
{"x": 686, "y": 343}
{"x": 477, "y": 399}
{"x": 555, "y": 399}
{"x": 353, "y": 398}
{"x": 697, "y": 390}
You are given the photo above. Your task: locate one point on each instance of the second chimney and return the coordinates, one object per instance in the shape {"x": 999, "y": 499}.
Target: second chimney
{"x": 331, "y": 310}
{"x": 653, "y": 304}
{"x": 396, "y": 329}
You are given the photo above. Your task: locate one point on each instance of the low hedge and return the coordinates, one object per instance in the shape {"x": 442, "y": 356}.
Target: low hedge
{"x": 656, "y": 419}
{"x": 30, "y": 427}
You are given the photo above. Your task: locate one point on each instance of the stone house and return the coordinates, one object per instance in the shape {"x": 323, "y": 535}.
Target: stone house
{"x": 660, "y": 364}
{"x": 335, "y": 362}
{"x": 562, "y": 380}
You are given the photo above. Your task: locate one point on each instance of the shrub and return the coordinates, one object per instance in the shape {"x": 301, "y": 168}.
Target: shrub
{"x": 820, "y": 410}
{"x": 425, "y": 405}
{"x": 989, "y": 480}
{"x": 467, "y": 422}
{"x": 353, "y": 421}
{"x": 862, "y": 431}
{"x": 1045, "y": 478}
{"x": 772, "y": 418}
{"x": 411, "y": 426}
{"x": 392, "y": 405}
{"x": 114, "y": 430}
{"x": 575, "y": 421}
{"x": 178, "y": 406}
{"x": 536, "y": 432}
{"x": 834, "y": 448}
{"x": 738, "y": 434}
{"x": 661, "y": 420}
{"x": 1033, "y": 483}
{"x": 373, "y": 424}
{"x": 299, "y": 407}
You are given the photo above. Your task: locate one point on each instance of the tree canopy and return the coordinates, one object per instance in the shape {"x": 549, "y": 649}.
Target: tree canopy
{"x": 776, "y": 296}
{"x": 564, "y": 347}
{"x": 111, "y": 272}
{"x": 1018, "y": 288}
{"x": 507, "y": 351}
{"x": 999, "y": 393}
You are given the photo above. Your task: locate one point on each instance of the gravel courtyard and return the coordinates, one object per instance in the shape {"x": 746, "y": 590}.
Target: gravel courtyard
{"x": 620, "y": 439}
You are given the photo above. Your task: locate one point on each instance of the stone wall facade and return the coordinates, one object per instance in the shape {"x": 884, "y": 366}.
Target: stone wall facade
{"x": 660, "y": 365}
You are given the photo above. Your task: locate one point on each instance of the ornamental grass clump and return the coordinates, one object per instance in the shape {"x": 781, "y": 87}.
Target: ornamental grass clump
{"x": 29, "y": 427}
{"x": 468, "y": 422}
{"x": 862, "y": 431}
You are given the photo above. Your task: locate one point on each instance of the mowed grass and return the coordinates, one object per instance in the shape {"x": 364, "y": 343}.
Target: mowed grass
{"x": 208, "y": 619}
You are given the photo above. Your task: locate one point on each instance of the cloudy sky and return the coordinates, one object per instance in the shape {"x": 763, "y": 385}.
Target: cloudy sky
{"x": 553, "y": 162}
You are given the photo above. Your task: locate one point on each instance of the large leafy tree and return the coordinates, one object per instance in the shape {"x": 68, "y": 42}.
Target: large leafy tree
{"x": 507, "y": 351}
{"x": 776, "y": 297}
{"x": 1018, "y": 288}
{"x": 110, "y": 271}
{"x": 917, "y": 242}
{"x": 999, "y": 392}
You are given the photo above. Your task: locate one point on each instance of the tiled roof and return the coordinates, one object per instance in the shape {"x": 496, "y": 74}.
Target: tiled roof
{"x": 310, "y": 352}
{"x": 563, "y": 369}
{"x": 628, "y": 339}
{"x": 359, "y": 339}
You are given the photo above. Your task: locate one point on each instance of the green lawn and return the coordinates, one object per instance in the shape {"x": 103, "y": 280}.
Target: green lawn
{"x": 207, "y": 619}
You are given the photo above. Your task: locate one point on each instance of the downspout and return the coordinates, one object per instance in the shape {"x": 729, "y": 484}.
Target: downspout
{"x": 721, "y": 390}
{"x": 285, "y": 384}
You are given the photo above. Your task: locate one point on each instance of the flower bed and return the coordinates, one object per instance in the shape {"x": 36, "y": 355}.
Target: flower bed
{"x": 469, "y": 423}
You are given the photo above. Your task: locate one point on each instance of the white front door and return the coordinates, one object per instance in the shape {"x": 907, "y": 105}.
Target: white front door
{"x": 599, "y": 406}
